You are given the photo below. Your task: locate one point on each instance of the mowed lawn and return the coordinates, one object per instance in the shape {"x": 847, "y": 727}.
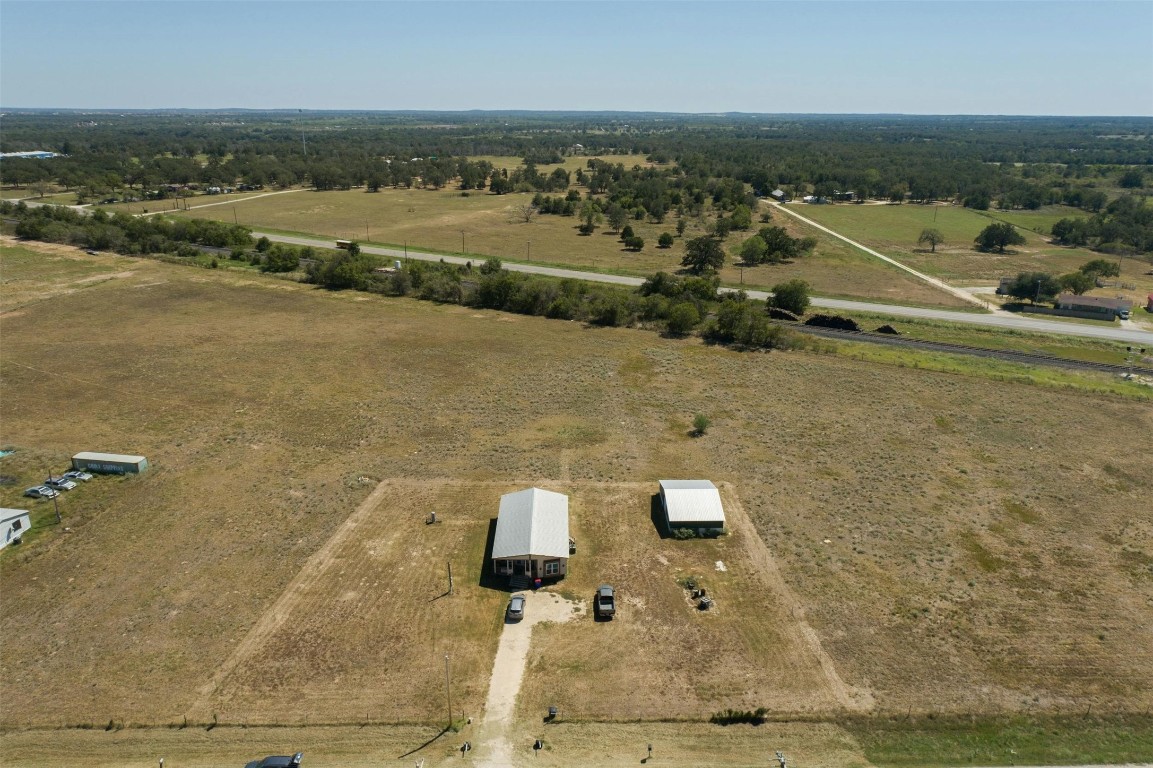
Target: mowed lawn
{"x": 894, "y": 229}
{"x": 956, "y": 544}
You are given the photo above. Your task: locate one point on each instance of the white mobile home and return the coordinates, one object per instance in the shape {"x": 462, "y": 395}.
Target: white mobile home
{"x": 14, "y": 523}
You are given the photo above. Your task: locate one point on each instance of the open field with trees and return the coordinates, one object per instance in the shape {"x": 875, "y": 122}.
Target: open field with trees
{"x": 616, "y": 192}
{"x": 942, "y": 554}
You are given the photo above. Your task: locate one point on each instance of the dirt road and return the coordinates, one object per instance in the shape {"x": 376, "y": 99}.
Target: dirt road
{"x": 493, "y": 749}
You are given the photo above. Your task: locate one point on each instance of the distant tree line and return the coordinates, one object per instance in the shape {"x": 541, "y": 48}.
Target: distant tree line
{"x": 722, "y": 161}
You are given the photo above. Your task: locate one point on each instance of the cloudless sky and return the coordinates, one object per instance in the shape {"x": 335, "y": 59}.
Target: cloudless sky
{"x": 858, "y": 56}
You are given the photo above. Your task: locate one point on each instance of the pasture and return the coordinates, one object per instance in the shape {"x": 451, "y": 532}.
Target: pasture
{"x": 483, "y": 225}
{"x": 955, "y": 544}
{"x": 894, "y": 229}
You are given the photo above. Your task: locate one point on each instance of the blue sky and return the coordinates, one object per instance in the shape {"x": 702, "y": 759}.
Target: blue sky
{"x": 928, "y": 57}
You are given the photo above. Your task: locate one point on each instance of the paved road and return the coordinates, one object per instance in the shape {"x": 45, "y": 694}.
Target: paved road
{"x": 1125, "y": 335}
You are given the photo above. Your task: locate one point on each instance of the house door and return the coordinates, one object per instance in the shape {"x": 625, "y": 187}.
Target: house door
{"x": 522, "y": 567}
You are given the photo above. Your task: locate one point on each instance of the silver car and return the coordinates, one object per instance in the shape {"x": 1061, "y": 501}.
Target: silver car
{"x": 76, "y": 474}
{"x": 60, "y": 483}
{"x": 515, "y": 610}
{"x": 41, "y": 492}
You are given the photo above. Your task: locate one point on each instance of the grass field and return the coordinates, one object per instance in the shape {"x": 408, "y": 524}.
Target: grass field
{"x": 484, "y": 225}
{"x": 894, "y": 229}
{"x": 956, "y": 544}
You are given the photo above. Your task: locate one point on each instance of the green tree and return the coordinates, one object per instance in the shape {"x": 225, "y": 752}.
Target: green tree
{"x": 742, "y": 217}
{"x": 1100, "y": 268}
{"x": 263, "y": 244}
{"x": 665, "y": 240}
{"x": 627, "y": 232}
{"x": 634, "y": 243}
{"x": 792, "y": 296}
{"x": 1034, "y": 286}
{"x": 280, "y": 259}
{"x": 682, "y": 318}
{"x": 1077, "y": 282}
{"x": 753, "y": 251}
{"x": 999, "y": 235}
{"x": 703, "y": 255}
{"x": 1071, "y": 231}
{"x": 617, "y": 216}
{"x": 931, "y": 236}
{"x": 1132, "y": 179}
{"x": 681, "y": 224}
{"x": 491, "y": 266}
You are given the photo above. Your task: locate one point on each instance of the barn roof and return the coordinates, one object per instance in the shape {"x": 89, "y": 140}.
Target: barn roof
{"x": 532, "y": 522}
{"x": 692, "y": 501}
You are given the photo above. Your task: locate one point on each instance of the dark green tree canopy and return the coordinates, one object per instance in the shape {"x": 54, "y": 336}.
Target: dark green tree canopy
{"x": 998, "y": 235}
{"x": 703, "y": 255}
{"x": 792, "y": 296}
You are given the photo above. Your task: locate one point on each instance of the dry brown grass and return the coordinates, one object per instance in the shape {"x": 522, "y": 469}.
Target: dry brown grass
{"x": 686, "y": 745}
{"x": 985, "y": 548}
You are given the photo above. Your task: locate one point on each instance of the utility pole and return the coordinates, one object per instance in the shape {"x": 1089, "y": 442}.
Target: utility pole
{"x": 55, "y": 499}
{"x": 448, "y": 689}
{"x": 462, "y": 241}
{"x": 450, "y": 578}
{"x": 529, "y": 250}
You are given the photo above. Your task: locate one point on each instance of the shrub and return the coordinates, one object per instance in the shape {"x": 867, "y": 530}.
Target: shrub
{"x": 701, "y": 424}
{"x": 733, "y": 716}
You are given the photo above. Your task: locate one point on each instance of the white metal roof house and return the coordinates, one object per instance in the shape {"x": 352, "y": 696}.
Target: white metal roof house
{"x": 14, "y": 523}
{"x": 693, "y": 504}
{"x": 532, "y": 535}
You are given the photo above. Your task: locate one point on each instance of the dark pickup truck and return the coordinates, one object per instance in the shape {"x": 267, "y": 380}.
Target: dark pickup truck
{"x": 278, "y": 761}
{"x": 606, "y": 603}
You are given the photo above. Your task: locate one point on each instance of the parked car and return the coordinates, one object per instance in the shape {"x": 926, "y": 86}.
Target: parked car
{"x": 41, "y": 492}
{"x": 60, "y": 483}
{"x": 515, "y": 610}
{"x": 277, "y": 761}
{"x": 76, "y": 474}
{"x": 606, "y": 602}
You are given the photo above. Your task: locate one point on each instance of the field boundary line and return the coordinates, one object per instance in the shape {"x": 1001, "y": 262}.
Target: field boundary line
{"x": 275, "y": 617}
{"x": 853, "y": 699}
{"x": 941, "y": 284}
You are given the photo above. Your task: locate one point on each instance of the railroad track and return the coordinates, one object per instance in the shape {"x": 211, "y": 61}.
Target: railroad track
{"x": 1032, "y": 358}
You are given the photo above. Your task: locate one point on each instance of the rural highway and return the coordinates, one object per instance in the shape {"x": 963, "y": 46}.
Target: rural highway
{"x": 1126, "y": 335}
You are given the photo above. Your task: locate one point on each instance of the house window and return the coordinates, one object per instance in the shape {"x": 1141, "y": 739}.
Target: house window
{"x": 16, "y": 525}
{"x": 551, "y": 567}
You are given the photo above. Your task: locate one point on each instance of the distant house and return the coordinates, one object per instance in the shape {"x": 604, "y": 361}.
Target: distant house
{"x": 532, "y": 538}
{"x": 1004, "y": 286}
{"x": 109, "y": 463}
{"x": 1094, "y": 305}
{"x": 692, "y": 504}
{"x": 14, "y": 523}
{"x": 779, "y": 195}
{"x": 39, "y": 154}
